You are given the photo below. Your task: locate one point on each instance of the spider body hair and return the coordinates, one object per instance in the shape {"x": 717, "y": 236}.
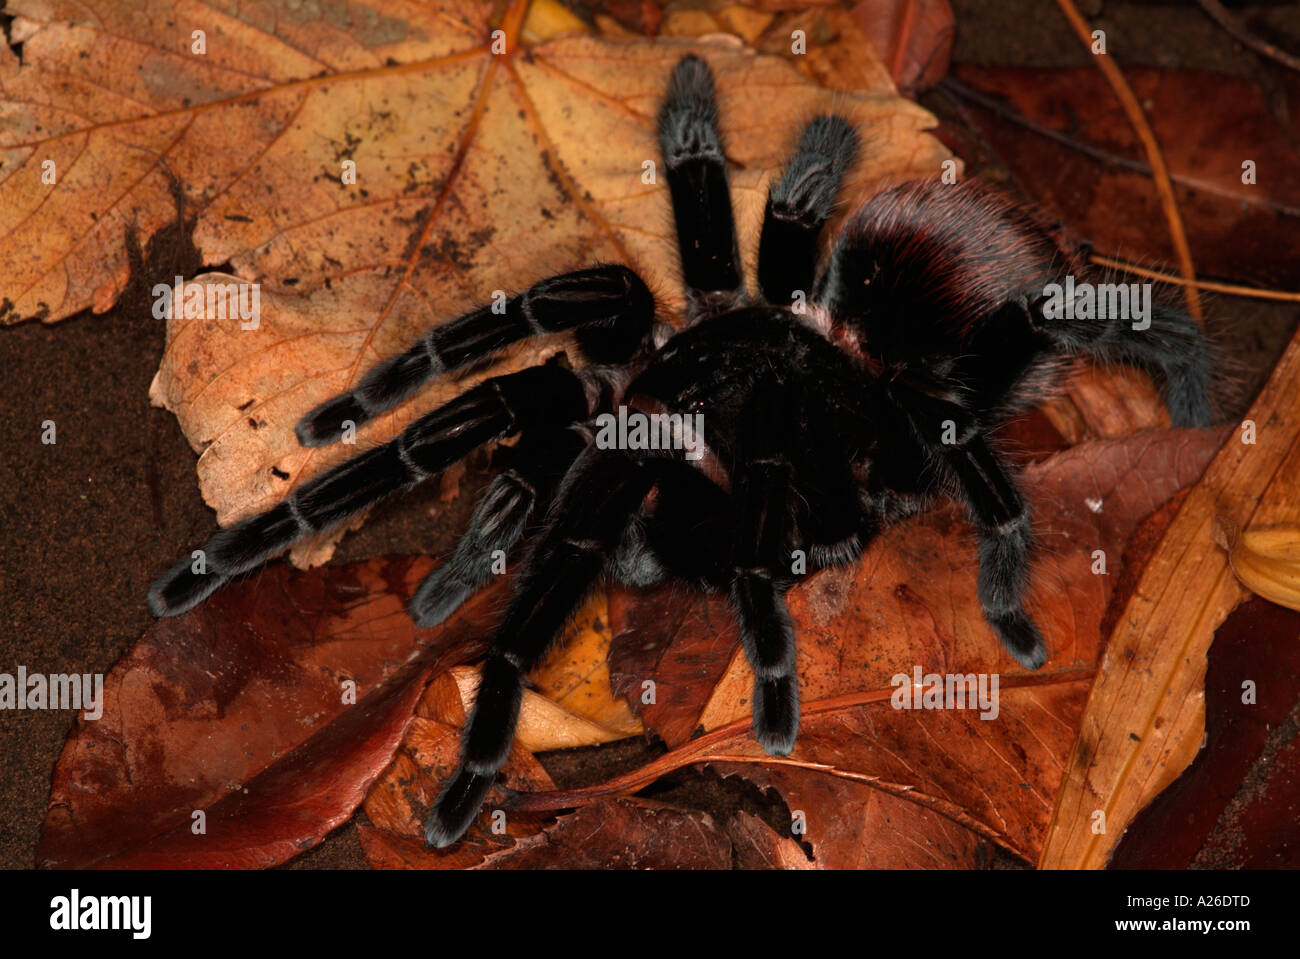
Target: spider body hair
{"x": 927, "y": 328}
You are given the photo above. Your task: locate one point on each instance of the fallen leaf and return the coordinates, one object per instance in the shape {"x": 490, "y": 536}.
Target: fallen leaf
{"x": 1064, "y": 137}
{"x": 401, "y": 798}
{"x": 575, "y": 676}
{"x": 623, "y": 834}
{"x": 610, "y": 834}
{"x": 242, "y": 709}
{"x": 1248, "y": 766}
{"x": 836, "y": 53}
{"x": 913, "y": 37}
{"x": 629, "y": 834}
{"x": 757, "y": 846}
{"x": 630, "y": 18}
{"x": 545, "y": 724}
{"x": 1145, "y": 718}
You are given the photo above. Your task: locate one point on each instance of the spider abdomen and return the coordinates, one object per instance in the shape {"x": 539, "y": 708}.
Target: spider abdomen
{"x": 924, "y": 265}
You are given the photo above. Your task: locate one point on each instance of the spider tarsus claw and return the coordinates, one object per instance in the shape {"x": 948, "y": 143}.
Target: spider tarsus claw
{"x": 306, "y": 437}
{"x": 1021, "y": 638}
{"x": 456, "y": 808}
{"x": 776, "y": 714}
{"x": 437, "y": 599}
{"x": 324, "y": 424}
{"x": 180, "y": 589}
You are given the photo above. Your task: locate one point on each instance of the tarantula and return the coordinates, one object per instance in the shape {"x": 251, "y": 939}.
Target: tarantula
{"x": 833, "y": 404}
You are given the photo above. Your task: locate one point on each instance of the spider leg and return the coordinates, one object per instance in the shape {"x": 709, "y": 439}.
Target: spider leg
{"x": 1171, "y": 348}
{"x": 493, "y": 409}
{"x": 610, "y": 307}
{"x": 498, "y": 522}
{"x": 1005, "y": 537}
{"x": 798, "y": 206}
{"x": 946, "y": 429}
{"x": 760, "y": 560}
{"x": 697, "y": 179}
{"x": 597, "y": 499}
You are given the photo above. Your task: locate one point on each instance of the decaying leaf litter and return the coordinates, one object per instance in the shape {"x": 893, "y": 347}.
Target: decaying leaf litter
{"x": 305, "y": 246}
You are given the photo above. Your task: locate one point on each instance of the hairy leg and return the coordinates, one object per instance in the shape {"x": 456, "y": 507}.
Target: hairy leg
{"x": 493, "y": 409}
{"x": 798, "y": 206}
{"x": 697, "y": 179}
{"x": 609, "y": 306}
{"x": 1171, "y": 348}
{"x": 597, "y": 499}
{"x": 1005, "y": 537}
{"x": 515, "y": 495}
{"x": 760, "y": 562}
{"x": 951, "y": 438}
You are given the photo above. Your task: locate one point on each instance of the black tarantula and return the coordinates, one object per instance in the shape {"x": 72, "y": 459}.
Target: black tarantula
{"x": 833, "y": 404}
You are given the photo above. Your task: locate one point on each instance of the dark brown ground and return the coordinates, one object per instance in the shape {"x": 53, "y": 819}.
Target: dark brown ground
{"x": 86, "y": 524}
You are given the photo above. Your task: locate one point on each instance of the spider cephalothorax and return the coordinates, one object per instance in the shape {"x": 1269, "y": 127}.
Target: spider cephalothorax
{"x": 832, "y": 404}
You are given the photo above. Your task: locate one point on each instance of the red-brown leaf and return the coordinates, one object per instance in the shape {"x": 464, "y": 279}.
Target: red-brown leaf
{"x": 237, "y": 709}
{"x": 1249, "y": 764}
{"x": 1235, "y": 229}
{"x": 913, "y": 37}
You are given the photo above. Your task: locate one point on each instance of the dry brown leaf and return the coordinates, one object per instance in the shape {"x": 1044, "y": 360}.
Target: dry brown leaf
{"x": 543, "y": 723}
{"x": 758, "y": 846}
{"x": 270, "y": 709}
{"x": 870, "y": 823}
{"x": 610, "y": 834}
{"x": 1145, "y": 718}
{"x": 623, "y": 834}
{"x": 839, "y": 54}
{"x": 913, "y": 37}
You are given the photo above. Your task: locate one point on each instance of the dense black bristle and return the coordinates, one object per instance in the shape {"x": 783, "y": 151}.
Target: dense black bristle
{"x": 325, "y": 424}
{"x": 798, "y": 206}
{"x": 688, "y": 118}
{"x": 776, "y": 714}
